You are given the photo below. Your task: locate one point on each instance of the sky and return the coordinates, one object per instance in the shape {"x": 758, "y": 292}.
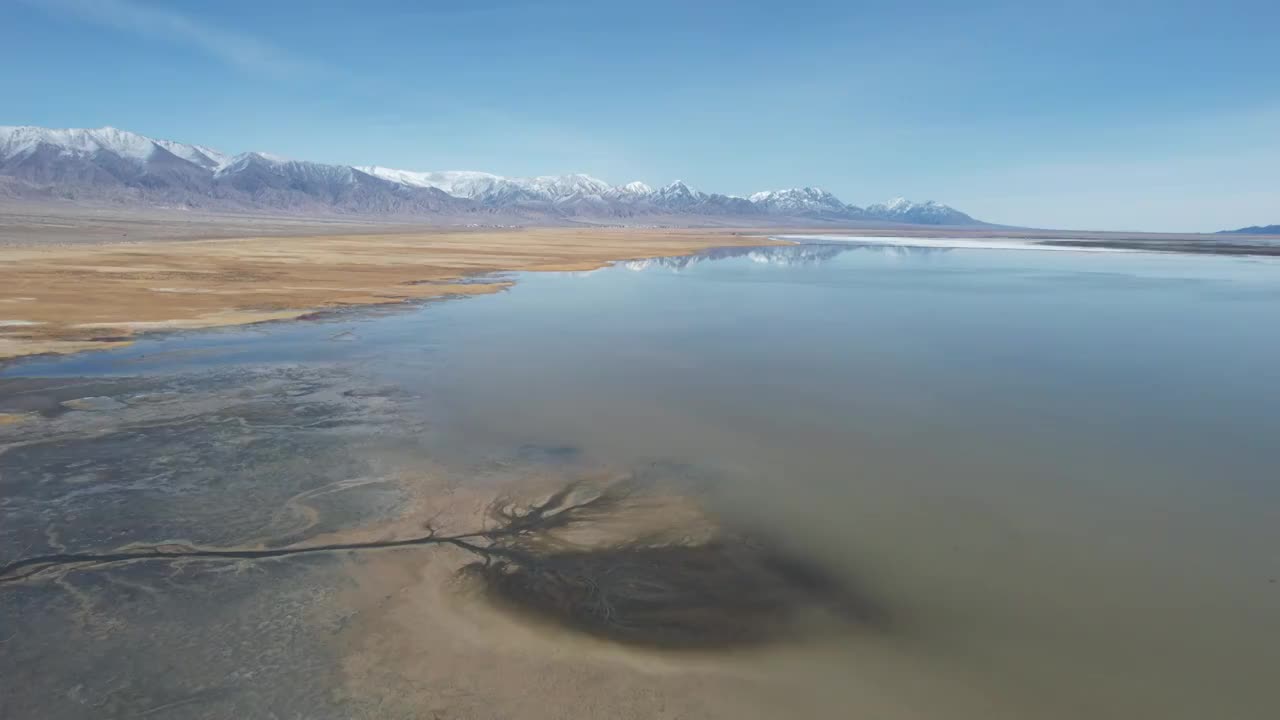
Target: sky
{"x": 1124, "y": 114}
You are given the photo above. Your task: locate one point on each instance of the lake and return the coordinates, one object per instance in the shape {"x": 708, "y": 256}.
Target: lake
{"x": 1058, "y": 470}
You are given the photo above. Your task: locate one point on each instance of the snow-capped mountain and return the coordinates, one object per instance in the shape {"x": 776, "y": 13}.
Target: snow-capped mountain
{"x": 926, "y": 213}
{"x": 635, "y": 188}
{"x": 804, "y": 201}
{"x": 121, "y": 166}
{"x": 26, "y": 140}
{"x": 679, "y": 198}
{"x": 124, "y": 167}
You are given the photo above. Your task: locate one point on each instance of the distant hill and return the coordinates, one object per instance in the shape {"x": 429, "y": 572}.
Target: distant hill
{"x": 1253, "y": 230}
{"x": 127, "y": 169}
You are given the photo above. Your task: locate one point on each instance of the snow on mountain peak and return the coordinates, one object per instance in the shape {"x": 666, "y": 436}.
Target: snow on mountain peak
{"x": 269, "y": 157}
{"x": 556, "y": 187}
{"x": 40, "y": 153}
{"x": 205, "y": 157}
{"x": 636, "y": 187}
{"x": 927, "y": 212}
{"x": 75, "y": 141}
{"x": 20, "y": 140}
{"x": 805, "y": 200}
{"x": 258, "y": 164}
{"x": 459, "y": 183}
{"x": 901, "y": 205}
{"x": 487, "y": 186}
{"x": 678, "y": 188}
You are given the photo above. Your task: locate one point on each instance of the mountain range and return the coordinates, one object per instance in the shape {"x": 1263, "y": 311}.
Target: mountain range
{"x": 1253, "y": 230}
{"x": 121, "y": 167}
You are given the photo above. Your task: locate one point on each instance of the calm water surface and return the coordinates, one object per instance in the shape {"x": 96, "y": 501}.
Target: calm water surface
{"x": 1061, "y": 470}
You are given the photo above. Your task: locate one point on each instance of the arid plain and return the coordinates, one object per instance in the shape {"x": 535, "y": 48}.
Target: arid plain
{"x": 58, "y": 297}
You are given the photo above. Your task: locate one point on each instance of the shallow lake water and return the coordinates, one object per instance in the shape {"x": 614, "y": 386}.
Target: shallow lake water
{"x": 1059, "y": 470}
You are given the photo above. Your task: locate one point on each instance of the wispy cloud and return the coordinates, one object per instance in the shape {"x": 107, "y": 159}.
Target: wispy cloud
{"x": 236, "y": 49}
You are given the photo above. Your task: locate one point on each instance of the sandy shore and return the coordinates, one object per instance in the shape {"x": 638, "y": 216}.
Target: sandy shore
{"x": 68, "y": 298}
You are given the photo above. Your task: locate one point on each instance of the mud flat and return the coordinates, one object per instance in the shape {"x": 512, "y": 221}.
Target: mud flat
{"x": 283, "y": 542}
{"x": 68, "y": 298}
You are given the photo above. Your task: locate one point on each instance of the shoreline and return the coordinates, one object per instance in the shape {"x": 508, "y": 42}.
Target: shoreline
{"x": 71, "y": 298}
{"x": 60, "y": 298}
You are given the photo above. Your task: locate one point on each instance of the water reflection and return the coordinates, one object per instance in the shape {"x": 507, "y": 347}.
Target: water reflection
{"x": 802, "y": 255}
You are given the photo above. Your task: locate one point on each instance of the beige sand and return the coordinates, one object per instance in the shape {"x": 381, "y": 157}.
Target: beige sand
{"x": 68, "y": 298}
{"x": 421, "y": 642}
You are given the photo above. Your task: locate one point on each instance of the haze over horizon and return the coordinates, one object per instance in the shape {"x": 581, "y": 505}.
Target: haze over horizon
{"x": 1087, "y": 117}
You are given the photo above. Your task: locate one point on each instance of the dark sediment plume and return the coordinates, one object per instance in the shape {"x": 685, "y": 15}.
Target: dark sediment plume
{"x": 586, "y": 558}
{"x": 703, "y": 589}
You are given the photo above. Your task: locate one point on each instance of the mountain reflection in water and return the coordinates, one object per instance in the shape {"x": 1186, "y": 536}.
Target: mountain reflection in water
{"x": 782, "y": 255}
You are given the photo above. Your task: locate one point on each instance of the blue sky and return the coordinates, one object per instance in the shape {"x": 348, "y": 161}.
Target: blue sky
{"x": 1080, "y": 114}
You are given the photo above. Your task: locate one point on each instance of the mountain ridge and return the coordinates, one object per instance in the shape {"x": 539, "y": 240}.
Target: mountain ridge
{"x": 125, "y": 167}
{"x": 1253, "y": 230}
